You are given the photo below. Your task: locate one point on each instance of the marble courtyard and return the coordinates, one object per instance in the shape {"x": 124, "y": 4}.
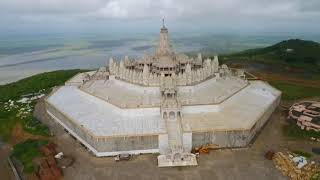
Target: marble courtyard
{"x": 166, "y": 103}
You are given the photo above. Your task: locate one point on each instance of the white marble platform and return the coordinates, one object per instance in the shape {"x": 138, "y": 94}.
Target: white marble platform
{"x": 104, "y": 119}
{"x": 239, "y": 112}
{"x": 123, "y": 94}
{"x": 212, "y": 91}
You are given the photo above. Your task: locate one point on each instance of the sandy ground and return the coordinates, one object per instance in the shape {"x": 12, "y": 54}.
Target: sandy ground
{"x": 247, "y": 163}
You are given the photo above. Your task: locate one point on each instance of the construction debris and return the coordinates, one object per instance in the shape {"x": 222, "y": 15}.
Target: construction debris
{"x": 123, "y": 157}
{"x": 48, "y": 169}
{"x": 315, "y": 139}
{"x": 295, "y": 167}
{"x": 306, "y": 114}
{"x": 269, "y": 155}
{"x": 49, "y": 149}
{"x": 300, "y": 161}
{"x": 205, "y": 149}
{"x": 59, "y": 155}
{"x": 65, "y": 161}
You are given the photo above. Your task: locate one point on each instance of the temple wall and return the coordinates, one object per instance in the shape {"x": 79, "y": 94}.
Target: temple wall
{"x": 221, "y": 138}
{"x": 236, "y": 138}
{"x": 105, "y": 146}
{"x": 134, "y": 87}
{"x": 112, "y": 144}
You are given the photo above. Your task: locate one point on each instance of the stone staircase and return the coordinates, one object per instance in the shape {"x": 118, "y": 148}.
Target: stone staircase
{"x": 174, "y": 134}
{"x": 176, "y": 155}
{"x": 171, "y": 109}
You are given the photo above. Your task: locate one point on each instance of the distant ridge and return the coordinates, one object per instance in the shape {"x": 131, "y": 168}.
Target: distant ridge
{"x": 293, "y": 52}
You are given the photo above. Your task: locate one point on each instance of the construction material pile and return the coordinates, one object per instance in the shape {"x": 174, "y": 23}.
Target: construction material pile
{"x": 204, "y": 149}
{"x": 48, "y": 169}
{"x": 295, "y": 167}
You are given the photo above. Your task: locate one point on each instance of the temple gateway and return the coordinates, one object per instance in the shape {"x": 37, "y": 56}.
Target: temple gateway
{"x": 166, "y": 103}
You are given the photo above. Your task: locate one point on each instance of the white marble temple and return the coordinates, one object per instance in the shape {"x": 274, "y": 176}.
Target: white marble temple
{"x": 166, "y": 102}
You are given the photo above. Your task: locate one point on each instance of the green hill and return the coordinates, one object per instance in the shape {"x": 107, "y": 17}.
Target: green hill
{"x": 294, "y": 52}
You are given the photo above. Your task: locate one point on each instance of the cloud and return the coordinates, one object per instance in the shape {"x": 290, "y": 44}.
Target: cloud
{"x": 215, "y": 12}
{"x": 113, "y": 9}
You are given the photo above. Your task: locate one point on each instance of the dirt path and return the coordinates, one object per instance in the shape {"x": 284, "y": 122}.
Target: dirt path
{"x": 5, "y": 172}
{"x": 19, "y": 135}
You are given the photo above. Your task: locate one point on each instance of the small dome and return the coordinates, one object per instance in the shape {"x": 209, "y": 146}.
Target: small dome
{"x": 224, "y": 66}
{"x": 85, "y": 76}
{"x": 102, "y": 69}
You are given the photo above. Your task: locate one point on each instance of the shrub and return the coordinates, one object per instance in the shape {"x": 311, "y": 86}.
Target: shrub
{"x": 26, "y": 151}
{"x": 302, "y": 153}
{"x": 293, "y": 131}
{"x": 34, "y": 126}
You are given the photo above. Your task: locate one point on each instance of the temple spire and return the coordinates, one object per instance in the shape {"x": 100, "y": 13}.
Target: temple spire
{"x": 164, "y": 47}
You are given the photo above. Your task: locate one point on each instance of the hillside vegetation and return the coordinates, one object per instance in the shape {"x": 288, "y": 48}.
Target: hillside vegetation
{"x": 13, "y": 112}
{"x": 294, "y": 52}
{"x": 35, "y": 83}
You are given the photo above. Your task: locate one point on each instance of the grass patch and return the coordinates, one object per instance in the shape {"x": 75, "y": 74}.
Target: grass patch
{"x": 316, "y": 176}
{"x": 302, "y": 153}
{"x": 8, "y": 121}
{"x": 34, "y": 126}
{"x": 294, "y": 91}
{"x": 291, "y": 130}
{"x": 26, "y": 151}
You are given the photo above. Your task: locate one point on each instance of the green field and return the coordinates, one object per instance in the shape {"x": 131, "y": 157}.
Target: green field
{"x": 292, "y": 92}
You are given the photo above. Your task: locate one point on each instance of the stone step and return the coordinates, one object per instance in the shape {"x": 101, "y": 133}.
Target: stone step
{"x": 174, "y": 134}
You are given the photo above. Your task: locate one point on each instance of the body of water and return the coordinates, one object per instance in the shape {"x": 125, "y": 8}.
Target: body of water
{"x": 23, "y": 57}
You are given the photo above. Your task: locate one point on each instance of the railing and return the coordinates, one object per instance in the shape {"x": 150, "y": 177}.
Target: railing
{"x": 14, "y": 170}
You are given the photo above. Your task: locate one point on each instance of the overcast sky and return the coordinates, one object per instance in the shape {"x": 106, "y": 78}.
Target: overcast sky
{"x": 208, "y": 15}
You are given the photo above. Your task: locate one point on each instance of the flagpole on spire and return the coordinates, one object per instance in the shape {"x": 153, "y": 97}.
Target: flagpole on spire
{"x": 163, "y": 23}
